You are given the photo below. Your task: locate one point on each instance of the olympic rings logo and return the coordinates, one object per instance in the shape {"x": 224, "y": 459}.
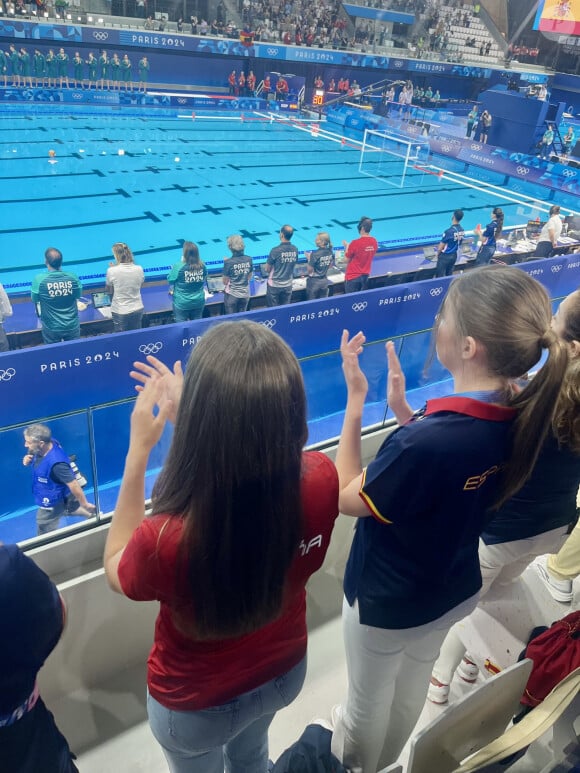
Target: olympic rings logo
{"x": 151, "y": 348}
{"x": 100, "y": 35}
{"x": 555, "y": 269}
{"x": 181, "y": 100}
{"x": 7, "y": 375}
{"x": 475, "y": 147}
{"x": 272, "y": 51}
{"x": 435, "y": 291}
{"x": 569, "y": 173}
{"x": 76, "y": 95}
{"x": 359, "y": 306}
{"x": 269, "y": 323}
{"x": 446, "y": 148}
{"x": 398, "y": 63}
{"x": 523, "y": 170}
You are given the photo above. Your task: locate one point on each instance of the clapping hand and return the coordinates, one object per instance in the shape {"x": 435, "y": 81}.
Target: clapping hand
{"x": 147, "y": 424}
{"x": 356, "y": 381}
{"x": 396, "y": 386}
{"x": 171, "y": 380}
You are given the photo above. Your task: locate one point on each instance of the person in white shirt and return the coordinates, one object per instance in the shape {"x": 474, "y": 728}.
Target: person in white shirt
{"x": 5, "y": 311}
{"x": 549, "y": 234}
{"x": 123, "y": 283}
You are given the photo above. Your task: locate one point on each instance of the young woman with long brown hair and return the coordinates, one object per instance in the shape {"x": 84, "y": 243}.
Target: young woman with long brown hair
{"x": 241, "y": 518}
{"x": 413, "y": 570}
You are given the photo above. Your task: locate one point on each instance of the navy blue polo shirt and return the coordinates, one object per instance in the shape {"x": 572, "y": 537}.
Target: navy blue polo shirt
{"x": 489, "y": 233}
{"x": 452, "y": 238}
{"x": 428, "y": 489}
{"x": 546, "y": 501}
{"x": 32, "y": 623}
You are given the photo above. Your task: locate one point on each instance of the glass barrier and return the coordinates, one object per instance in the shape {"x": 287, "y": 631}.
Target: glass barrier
{"x": 22, "y": 515}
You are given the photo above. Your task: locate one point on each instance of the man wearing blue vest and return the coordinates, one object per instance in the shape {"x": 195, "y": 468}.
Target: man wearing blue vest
{"x": 55, "y": 489}
{"x": 449, "y": 245}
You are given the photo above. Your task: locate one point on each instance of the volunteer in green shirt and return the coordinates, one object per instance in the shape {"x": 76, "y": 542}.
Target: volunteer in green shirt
{"x": 187, "y": 279}
{"x": 57, "y": 293}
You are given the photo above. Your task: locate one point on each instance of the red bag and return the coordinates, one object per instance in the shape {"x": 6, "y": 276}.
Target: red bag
{"x": 556, "y": 653}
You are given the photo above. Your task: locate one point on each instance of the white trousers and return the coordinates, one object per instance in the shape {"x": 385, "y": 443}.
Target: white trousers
{"x": 388, "y": 677}
{"x": 501, "y": 564}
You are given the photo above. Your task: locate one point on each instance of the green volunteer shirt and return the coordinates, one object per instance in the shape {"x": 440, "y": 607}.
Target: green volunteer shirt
{"x": 57, "y": 292}
{"x": 188, "y": 284}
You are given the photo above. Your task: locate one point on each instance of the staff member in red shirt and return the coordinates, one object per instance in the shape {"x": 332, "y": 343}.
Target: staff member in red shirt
{"x": 232, "y": 83}
{"x": 281, "y": 88}
{"x": 359, "y": 255}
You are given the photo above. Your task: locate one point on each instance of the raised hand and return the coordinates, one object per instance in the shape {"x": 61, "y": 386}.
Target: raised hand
{"x": 172, "y": 380}
{"x": 396, "y": 386}
{"x": 146, "y": 424}
{"x": 356, "y": 381}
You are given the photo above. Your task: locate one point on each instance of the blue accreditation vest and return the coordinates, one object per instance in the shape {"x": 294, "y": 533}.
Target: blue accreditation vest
{"x": 48, "y": 493}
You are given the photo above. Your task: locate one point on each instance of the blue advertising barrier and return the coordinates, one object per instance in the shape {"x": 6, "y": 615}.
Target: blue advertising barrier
{"x": 49, "y": 380}
{"x": 168, "y": 41}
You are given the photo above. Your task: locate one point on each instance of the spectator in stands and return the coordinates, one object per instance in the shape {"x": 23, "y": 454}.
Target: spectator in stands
{"x": 489, "y": 237}
{"x": 149, "y": 23}
{"x": 359, "y": 256}
{"x": 57, "y": 293}
{"x": 549, "y": 234}
{"x": 123, "y": 283}
{"x": 568, "y": 141}
{"x": 535, "y": 521}
{"x": 547, "y": 142}
{"x": 236, "y": 492}
{"x": 187, "y": 281}
{"x": 448, "y": 247}
{"x": 55, "y": 489}
{"x": 471, "y": 121}
{"x": 33, "y": 619}
{"x": 485, "y": 122}
{"x": 5, "y": 311}
{"x": 237, "y": 274}
{"x": 280, "y": 265}
{"x": 542, "y": 92}
{"x": 319, "y": 261}
{"x": 401, "y": 595}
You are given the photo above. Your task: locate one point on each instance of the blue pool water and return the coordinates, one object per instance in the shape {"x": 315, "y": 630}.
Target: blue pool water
{"x": 201, "y": 180}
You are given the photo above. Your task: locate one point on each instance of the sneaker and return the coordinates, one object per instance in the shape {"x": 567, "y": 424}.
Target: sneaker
{"x": 559, "y": 590}
{"x": 467, "y": 670}
{"x": 438, "y": 692}
{"x": 335, "y": 715}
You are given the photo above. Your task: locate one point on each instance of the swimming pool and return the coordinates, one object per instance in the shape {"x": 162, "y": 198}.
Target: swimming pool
{"x": 154, "y": 182}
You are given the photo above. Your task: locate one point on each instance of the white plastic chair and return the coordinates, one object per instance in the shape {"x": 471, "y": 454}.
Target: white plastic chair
{"x": 469, "y": 724}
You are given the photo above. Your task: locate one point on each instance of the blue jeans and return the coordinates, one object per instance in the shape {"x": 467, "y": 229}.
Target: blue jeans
{"x": 233, "y": 736}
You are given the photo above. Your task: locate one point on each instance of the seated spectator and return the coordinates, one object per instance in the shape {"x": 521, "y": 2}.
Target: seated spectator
{"x": 123, "y": 283}
{"x": 33, "y": 619}
{"x": 236, "y": 492}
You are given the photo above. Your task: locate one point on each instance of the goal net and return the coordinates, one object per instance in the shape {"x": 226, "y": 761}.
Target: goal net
{"x": 398, "y": 161}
